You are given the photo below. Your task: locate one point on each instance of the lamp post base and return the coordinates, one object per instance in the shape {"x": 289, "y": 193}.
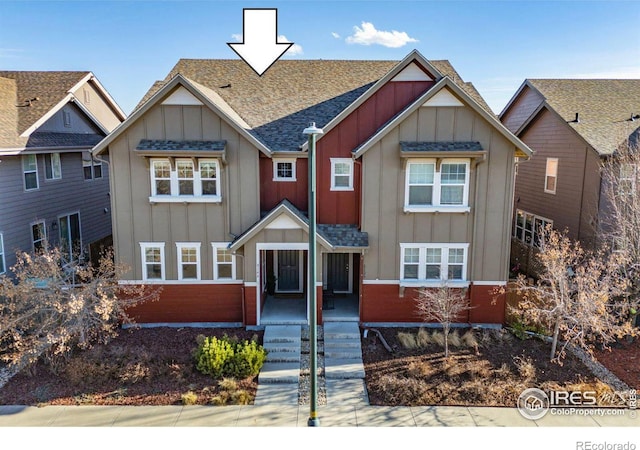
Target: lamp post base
{"x": 313, "y": 422}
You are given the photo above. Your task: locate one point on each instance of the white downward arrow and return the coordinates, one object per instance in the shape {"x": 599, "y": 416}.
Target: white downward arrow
{"x": 260, "y": 47}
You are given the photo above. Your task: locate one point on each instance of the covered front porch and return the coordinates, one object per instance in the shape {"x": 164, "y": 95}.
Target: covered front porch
{"x": 293, "y": 311}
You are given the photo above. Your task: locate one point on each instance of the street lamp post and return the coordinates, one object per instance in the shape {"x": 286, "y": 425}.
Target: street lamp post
{"x": 312, "y": 131}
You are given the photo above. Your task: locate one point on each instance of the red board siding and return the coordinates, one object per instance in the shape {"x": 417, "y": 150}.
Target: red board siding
{"x": 249, "y": 305}
{"x": 383, "y": 303}
{"x": 344, "y": 206}
{"x": 489, "y": 307}
{"x": 193, "y": 303}
{"x": 272, "y": 192}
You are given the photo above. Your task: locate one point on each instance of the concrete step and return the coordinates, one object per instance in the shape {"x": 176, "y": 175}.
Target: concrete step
{"x": 279, "y": 372}
{"x": 342, "y": 392}
{"x": 283, "y": 357}
{"x": 290, "y": 347}
{"x": 341, "y": 330}
{"x": 276, "y": 394}
{"x": 343, "y": 353}
{"x": 282, "y": 333}
{"x": 343, "y": 368}
{"x": 343, "y": 343}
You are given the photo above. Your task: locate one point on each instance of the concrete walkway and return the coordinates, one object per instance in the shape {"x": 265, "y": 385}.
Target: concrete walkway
{"x": 291, "y": 416}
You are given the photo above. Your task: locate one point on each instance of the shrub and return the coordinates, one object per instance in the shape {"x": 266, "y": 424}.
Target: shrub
{"x": 230, "y": 358}
{"x": 407, "y": 340}
{"x": 423, "y": 339}
{"x": 190, "y": 398}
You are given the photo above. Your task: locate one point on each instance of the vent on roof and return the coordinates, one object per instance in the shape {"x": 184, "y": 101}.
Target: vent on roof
{"x": 634, "y": 117}
{"x": 225, "y": 86}
{"x": 28, "y": 102}
{"x": 577, "y": 119}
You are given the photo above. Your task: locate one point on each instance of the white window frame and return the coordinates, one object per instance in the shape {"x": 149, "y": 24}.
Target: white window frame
{"x": 627, "y": 178}
{"x": 422, "y": 280}
{"x": 92, "y": 164}
{"x": 43, "y": 239}
{"x": 30, "y": 171}
{"x": 197, "y": 196}
{"x": 222, "y": 246}
{"x": 3, "y": 269}
{"x": 548, "y": 175}
{"x": 437, "y": 186}
{"x": 334, "y": 163}
{"x": 68, "y": 216}
{"x": 528, "y": 236}
{"x": 183, "y": 245}
{"x": 143, "y": 257}
{"x": 54, "y": 164}
{"x": 291, "y": 161}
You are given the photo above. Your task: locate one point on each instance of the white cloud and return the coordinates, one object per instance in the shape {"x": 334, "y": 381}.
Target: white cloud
{"x": 368, "y": 35}
{"x": 237, "y": 37}
{"x": 294, "y": 50}
{"x": 335, "y": 35}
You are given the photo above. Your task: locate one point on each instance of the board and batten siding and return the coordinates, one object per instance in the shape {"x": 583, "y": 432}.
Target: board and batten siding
{"x": 575, "y": 203}
{"x": 20, "y": 208}
{"x": 137, "y": 220}
{"x": 95, "y": 102}
{"x": 486, "y": 227}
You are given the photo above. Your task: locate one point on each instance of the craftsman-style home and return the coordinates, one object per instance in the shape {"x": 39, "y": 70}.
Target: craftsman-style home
{"x": 51, "y": 188}
{"x": 414, "y": 189}
{"x": 572, "y": 125}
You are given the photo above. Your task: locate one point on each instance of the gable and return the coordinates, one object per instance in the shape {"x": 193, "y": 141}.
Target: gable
{"x": 443, "y": 98}
{"x": 182, "y": 97}
{"x": 283, "y": 222}
{"x": 412, "y": 73}
{"x": 69, "y": 119}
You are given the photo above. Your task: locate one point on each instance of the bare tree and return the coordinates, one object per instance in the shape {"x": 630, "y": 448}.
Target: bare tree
{"x": 620, "y": 217}
{"x": 444, "y": 305}
{"x": 51, "y": 306}
{"x": 578, "y": 295}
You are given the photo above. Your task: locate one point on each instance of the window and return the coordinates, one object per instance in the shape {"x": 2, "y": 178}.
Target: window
{"x": 2, "y": 263}
{"x": 284, "y": 170}
{"x": 341, "y": 174}
{"x": 433, "y": 263}
{"x": 188, "y": 260}
{"x": 92, "y": 168}
{"x": 152, "y": 260}
{"x": 30, "y": 170}
{"x": 530, "y": 228}
{"x": 429, "y": 188}
{"x": 551, "y": 176}
{"x": 38, "y": 235}
{"x": 70, "y": 237}
{"x": 183, "y": 182}
{"x": 52, "y": 166}
{"x": 224, "y": 262}
{"x": 627, "y": 179}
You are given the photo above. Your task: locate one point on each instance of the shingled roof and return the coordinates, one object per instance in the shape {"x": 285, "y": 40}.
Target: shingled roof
{"x": 292, "y": 93}
{"x": 604, "y": 108}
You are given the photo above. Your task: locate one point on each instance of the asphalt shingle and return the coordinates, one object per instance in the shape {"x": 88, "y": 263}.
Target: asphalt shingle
{"x": 445, "y": 146}
{"x": 149, "y": 144}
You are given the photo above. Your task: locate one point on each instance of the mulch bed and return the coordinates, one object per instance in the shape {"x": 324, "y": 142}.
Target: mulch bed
{"x": 148, "y": 366}
{"x": 623, "y": 360}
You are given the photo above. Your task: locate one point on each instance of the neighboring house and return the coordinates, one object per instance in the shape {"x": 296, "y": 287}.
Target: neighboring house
{"x": 572, "y": 126}
{"x": 51, "y": 189}
{"x": 414, "y": 189}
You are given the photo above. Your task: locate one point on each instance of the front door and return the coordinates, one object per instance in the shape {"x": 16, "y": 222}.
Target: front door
{"x": 288, "y": 263}
{"x": 338, "y": 272}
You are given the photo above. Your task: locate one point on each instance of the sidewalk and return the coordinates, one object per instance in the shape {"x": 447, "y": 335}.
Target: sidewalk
{"x": 293, "y": 416}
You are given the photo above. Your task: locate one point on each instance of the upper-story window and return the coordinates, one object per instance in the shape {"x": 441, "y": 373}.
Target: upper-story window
{"x": 184, "y": 181}
{"x": 2, "y": 265}
{"x": 341, "y": 174}
{"x": 152, "y": 260}
{"x": 30, "y": 171}
{"x": 627, "y": 180}
{"x": 551, "y": 176}
{"x": 92, "y": 169}
{"x": 52, "y": 166}
{"x": 428, "y": 189}
{"x": 284, "y": 170}
{"x": 224, "y": 262}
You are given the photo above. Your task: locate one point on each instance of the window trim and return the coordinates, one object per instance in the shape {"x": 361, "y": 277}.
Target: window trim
{"x": 92, "y": 163}
{"x": 43, "y": 239}
{"x": 548, "y": 175}
{"x": 437, "y": 186}
{"x": 334, "y": 162}
{"x": 51, "y": 166}
{"x": 534, "y": 218}
{"x": 179, "y": 247}
{"x": 2, "y": 252}
{"x": 224, "y": 246}
{"x": 143, "y": 247}
{"x": 198, "y": 197}
{"x": 71, "y": 256}
{"x": 25, "y": 172}
{"x": 444, "y": 265}
{"x": 292, "y": 161}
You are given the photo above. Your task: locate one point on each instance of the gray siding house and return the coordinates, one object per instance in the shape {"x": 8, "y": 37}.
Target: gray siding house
{"x": 51, "y": 188}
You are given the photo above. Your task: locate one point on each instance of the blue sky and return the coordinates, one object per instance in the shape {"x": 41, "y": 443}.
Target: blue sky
{"x": 495, "y": 45}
